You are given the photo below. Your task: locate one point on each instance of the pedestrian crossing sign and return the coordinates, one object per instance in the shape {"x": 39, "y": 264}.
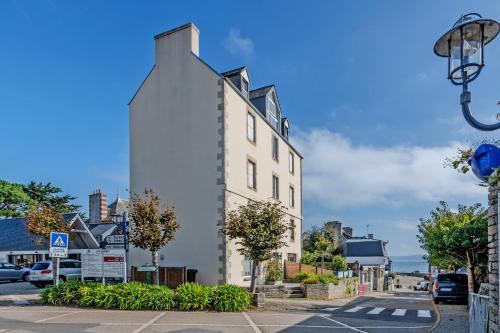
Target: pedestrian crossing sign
{"x": 58, "y": 240}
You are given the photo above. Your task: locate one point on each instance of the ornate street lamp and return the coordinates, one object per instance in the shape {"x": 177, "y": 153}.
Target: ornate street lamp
{"x": 463, "y": 46}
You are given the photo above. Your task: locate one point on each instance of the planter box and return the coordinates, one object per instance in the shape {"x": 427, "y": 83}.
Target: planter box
{"x": 346, "y": 288}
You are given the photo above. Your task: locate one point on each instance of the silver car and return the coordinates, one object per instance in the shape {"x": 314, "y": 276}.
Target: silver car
{"x": 42, "y": 273}
{"x": 10, "y": 272}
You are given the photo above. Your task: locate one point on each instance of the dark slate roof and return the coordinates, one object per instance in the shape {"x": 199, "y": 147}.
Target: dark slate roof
{"x": 365, "y": 248}
{"x": 100, "y": 229}
{"x": 260, "y": 91}
{"x": 234, "y": 71}
{"x": 15, "y": 237}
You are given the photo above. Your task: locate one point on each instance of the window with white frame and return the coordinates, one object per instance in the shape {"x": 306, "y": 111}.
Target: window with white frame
{"x": 247, "y": 267}
{"x": 244, "y": 87}
{"x": 272, "y": 114}
{"x": 251, "y": 127}
{"x": 276, "y": 147}
{"x": 276, "y": 187}
{"x": 251, "y": 175}
{"x": 292, "y": 196}
{"x": 291, "y": 162}
{"x": 292, "y": 230}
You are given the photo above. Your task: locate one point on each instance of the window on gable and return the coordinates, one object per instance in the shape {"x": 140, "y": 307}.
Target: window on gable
{"x": 276, "y": 187}
{"x": 244, "y": 87}
{"x": 250, "y": 127}
{"x": 276, "y": 152}
{"x": 272, "y": 114}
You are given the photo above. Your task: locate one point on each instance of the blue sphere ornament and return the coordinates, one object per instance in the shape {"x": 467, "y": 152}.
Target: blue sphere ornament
{"x": 485, "y": 160}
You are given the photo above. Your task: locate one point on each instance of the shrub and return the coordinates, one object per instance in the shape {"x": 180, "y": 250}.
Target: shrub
{"x": 301, "y": 276}
{"x": 339, "y": 263}
{"x": 328, "y": 278}
{"x": 229, "y": 298}
{"x": 192, "y": 296}
{"x": 311, "y": 280}
{"x": 64, "y": 293}
{"x": 310, "y": 258}
{"x": 273, "y": 272}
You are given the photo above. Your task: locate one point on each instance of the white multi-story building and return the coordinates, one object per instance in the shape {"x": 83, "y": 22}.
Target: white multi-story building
{"x": 205, "y": 142}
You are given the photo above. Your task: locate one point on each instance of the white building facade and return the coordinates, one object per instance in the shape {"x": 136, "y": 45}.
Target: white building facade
{"x": 205, "y": 142}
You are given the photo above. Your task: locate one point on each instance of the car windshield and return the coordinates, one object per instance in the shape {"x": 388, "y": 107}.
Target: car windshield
{"x": 457, "y": 278}
{"x": 40, "y": 266}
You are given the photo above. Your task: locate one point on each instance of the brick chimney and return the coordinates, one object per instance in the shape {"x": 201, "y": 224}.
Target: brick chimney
{"x": 98, "y": 208}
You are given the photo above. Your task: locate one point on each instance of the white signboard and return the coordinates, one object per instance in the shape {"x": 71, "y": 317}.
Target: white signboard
{"x": 104, "y": 263}
{"x": 58, "y": 252}
{"x": 115, "y": 246}
{"x": 115, "y": 239}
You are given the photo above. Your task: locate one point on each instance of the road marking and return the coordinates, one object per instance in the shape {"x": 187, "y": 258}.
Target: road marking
{"x": 344, "y": 325}
{"x": 330, "y": 309}
{"x": 424, "y": 313}
{"x": 355, "y": 309}
{"x": 58, "y": 316}
{"x": 149, "y": 323}
{"x": 3, "y": 330}
{"x": 399, "y": 312}
{"x": 18, "y": 300}
{"x": 376, "y": 310}
{"x": 251, "y": 323}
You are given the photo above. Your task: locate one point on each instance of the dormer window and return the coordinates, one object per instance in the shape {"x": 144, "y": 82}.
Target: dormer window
{"x": 272, "y": 114}
{"x": 244, "y": 87}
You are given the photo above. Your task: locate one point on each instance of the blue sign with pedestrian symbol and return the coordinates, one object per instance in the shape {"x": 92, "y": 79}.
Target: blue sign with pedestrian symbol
{"x": 58, "y": 240}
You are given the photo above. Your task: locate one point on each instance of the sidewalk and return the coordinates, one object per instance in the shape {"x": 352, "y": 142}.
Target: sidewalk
{"x": 454, "y": 319}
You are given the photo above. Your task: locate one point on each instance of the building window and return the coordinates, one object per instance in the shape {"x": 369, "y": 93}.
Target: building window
{"x": 276, "y": 187}
{"x": 244, "y": 87}
{"x": 292, "y": 196}
{"x": 251, "y": 175}
{"x": 247, "y": 267}
{"x": 272, "y": 114}
{"x": 292, "y": 230}
{"x": 250, "y": 127}
{"x": 292, "y": 257}
{"x": 276, "y": 152}
{"x": 291, "y": 162}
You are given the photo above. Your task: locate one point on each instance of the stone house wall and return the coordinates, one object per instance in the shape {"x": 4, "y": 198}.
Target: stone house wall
{"x": 345, "y": 288}
{"x": 493, "y": 255}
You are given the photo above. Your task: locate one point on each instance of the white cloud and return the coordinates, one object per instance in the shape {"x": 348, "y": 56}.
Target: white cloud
{"x": 238, "y": 45}
{"x": 339, "y": 174}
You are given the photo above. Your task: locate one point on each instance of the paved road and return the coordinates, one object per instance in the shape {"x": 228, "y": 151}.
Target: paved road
{"x": 391, "y": 313}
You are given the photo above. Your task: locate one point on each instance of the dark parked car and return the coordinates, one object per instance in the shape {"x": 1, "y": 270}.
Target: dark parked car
{"x": 450, "y": 286}
{"x": 10, "y": 272}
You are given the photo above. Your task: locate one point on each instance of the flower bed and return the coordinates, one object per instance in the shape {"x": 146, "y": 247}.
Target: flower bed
{"x": 140, "y": 296}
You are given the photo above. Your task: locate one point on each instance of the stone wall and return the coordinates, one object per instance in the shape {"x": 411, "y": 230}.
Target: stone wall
{"x": 493, "y": 255}
{"x": 345, "y": 288}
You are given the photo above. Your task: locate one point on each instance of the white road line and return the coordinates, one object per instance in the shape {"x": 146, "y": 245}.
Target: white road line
{"x": 251, "y": 323}
{"x": 149, "y": 323}
{"x": 329, "y": 309}
{"x": 424, "y": 313}
{"x": 399, "y": 312}
{"x": 376, "y": 310}
{"x": 58, "y": 316}
{"x": 3, "y": 330}
{"x": 355, "y": 309}
{"x": 344, "y": 325}
{"x": 18, "y": 300}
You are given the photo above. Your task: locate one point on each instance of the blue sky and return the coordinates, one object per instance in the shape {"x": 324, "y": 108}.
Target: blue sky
{"x": 370, "y": 105}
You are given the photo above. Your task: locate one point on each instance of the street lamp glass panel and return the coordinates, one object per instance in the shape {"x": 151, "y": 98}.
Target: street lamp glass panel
{"x": 466, "y": 47}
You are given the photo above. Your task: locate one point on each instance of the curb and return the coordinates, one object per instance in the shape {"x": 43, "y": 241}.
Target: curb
{"x": 438, "y": 317}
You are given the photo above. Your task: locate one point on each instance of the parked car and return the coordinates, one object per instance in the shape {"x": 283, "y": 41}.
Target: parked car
{"x": 10, "y": 272}
{"x": 422, "y": 285}
{"x": 42, "y": 273}
{"x": 450, "y": 286}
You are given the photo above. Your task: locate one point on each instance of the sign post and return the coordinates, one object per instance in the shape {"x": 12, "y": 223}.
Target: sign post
{"x": 58, "y": 249}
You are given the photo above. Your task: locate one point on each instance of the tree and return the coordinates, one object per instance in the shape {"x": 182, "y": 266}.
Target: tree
{"x": 13, "y": 200}
{"x": 324, "y": 248}
{"x": 153, "y": 226}
{"x": 50, "y": 196}
{"x": 456, "y": 239}
{"x": 339, "y": 263}
{"x": 259, "y": 228}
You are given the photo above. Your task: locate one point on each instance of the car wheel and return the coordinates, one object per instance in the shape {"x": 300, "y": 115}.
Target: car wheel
{"x": 25, "y": 277}
{"x": 38, "y": 285}
{"x": 13, "y": 280}
{"x": 62, "y": 279}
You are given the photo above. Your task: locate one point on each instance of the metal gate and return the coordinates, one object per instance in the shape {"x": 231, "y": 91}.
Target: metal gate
{"x": 478, "y": 313}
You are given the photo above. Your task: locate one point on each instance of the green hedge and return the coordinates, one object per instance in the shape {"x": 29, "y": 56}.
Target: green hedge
{"x": 140, "y": 296}
{"x": 309, "y": 278}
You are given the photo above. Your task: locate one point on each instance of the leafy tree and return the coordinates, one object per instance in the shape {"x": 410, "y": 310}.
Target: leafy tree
{"x": 153, "y": 227}
{"x": 49, "y": 195}
{"x": 328, "y": 232}
{"x": 324, "y": 248}
{"x": 13, "y": 200}
{"x": 309, "y": 258}
{"x": 339, "y": 263}
{"x": 456, "y": 239}
{"x": 259, "y": 229}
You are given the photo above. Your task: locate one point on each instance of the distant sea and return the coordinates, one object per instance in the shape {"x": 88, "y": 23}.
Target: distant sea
{"x": 409, "y": 264}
